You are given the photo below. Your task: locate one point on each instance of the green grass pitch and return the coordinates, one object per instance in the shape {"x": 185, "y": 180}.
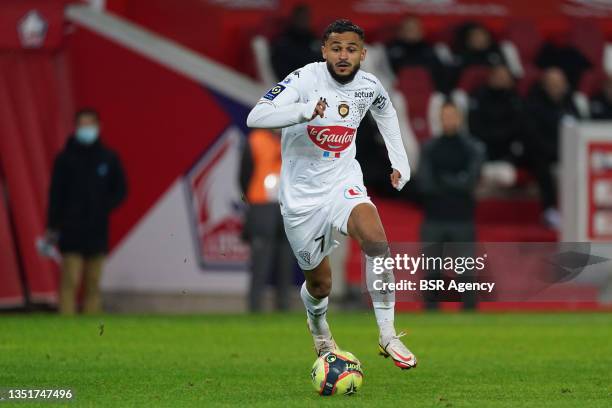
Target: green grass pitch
{"x": 465, "y": 360}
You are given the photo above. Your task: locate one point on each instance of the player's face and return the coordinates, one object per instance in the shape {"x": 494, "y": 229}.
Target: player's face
{"x": 344, "y": 53}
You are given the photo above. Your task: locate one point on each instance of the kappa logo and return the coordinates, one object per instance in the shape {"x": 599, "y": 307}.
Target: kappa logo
{"x": 353, "y": 192}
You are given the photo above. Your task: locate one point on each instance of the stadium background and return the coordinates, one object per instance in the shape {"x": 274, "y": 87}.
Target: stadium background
{"x": 173, "y": 83}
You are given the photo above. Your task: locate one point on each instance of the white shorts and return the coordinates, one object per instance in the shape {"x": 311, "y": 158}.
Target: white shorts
{"x": 310, "y": 234}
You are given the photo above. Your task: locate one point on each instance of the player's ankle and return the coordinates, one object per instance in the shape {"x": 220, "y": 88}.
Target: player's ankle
{"x": 387, "y": 330}
{"x": 319, "y": 327}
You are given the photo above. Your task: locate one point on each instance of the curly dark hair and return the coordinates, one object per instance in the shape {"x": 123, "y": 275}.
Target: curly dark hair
{"x": 343, "y": 26}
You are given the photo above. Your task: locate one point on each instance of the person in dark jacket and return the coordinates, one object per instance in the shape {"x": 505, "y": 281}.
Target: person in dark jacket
{"x": 410, "y": 49}
{"x": 497, "y": 116}
{"x": 297, "y": 45}
{"x": 601, "y": 103}
{"x": 448, "y": 175}
{"x": 548, "y": 103}
{"x": 86, "y": 185}
{"x": 568, "y": 58}
{"x": 474, "y": 46}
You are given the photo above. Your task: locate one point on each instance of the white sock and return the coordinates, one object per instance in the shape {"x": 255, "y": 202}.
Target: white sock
{"x": 383, "y": 302}
{"x": 316, "y": 310}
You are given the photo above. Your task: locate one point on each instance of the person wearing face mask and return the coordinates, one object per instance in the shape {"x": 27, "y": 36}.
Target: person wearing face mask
{"x": 87, "y": 183}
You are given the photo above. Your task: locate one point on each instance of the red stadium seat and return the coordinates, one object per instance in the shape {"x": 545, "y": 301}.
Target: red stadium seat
{"x": 591, "y": 82}
{"x": 417, "y": 87}
{"x": 525, "y": 36}
{"x": 530, "y": 76}
{"x": 586, "y": 36}
{"x": 473, "y": 77}
{"x": 383, "y": 34}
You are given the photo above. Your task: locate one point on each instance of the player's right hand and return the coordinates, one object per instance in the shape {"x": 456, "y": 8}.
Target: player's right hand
{"x": 319, "y": 109}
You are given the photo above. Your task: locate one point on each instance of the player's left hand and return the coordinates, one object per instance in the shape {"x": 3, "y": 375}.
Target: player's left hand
{"x": 395, "y": 178}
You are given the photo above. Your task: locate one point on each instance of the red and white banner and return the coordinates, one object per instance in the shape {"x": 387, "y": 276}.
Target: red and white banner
{"x": 599, "y": 179}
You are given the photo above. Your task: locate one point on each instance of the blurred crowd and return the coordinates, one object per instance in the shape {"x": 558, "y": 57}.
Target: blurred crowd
{"x": 483, "y": 114}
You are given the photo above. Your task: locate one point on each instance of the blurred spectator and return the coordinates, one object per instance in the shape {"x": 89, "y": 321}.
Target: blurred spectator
{"x": 601, "y": 103}
{"x": 548, "y": 103}
{"x": 297, "y": 45}
{"x": 86, "y": 185}
{"x": 410, "y": 49}
{"x": 448, "y": 175}
{"x": 571, "y": 61}
{"x": 496, "y": 115}
{"x": 263, "y": 229}
{"x": 474, "y": 45}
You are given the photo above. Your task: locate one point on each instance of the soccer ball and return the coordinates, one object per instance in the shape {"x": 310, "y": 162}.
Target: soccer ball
{"x": 337, "y": 372}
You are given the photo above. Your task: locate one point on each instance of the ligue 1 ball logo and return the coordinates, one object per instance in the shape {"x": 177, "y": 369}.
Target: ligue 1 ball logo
{"x": 336, "y": 373}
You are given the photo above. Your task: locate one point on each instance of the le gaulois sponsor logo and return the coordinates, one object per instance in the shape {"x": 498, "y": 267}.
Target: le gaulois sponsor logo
{"x": 331, "y": 138}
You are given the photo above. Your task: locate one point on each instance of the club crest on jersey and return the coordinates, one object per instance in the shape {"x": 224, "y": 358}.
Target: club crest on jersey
{"x": 331, "y": 138}
{"x": 353, "y": 192}
{"x": 343, "y": 110}
{"x": 274, "y": 92}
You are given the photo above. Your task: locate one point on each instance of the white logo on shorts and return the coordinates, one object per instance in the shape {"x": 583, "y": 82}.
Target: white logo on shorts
{"x": 305, "y": 255}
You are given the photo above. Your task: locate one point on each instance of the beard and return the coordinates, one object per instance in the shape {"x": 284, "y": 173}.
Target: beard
{"x": 342, "y": 79}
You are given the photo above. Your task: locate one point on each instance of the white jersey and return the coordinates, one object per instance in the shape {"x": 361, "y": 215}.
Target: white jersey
{"x": 319, "y": 154}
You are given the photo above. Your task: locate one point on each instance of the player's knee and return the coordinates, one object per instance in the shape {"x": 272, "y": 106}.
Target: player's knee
{"x": 320, "y": 288}
{"x": 375, "y": 248}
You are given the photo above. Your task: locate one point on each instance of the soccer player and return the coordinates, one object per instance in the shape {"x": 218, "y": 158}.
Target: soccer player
{"x": 319, "y": 108}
